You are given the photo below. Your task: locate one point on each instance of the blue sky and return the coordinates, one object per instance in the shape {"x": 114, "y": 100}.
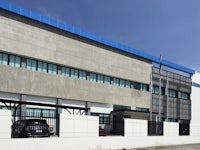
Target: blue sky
{"x": 167, "y": 27}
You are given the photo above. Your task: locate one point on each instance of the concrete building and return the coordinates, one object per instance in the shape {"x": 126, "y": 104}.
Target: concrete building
{"x": 46, "y": 61}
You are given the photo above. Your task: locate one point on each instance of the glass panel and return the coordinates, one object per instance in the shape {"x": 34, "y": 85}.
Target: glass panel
{"x": 18, "y": 62}
{"x": 82, "y": 75}
{"x": 63, "y": 70}
{"x": 100, "y": 78}
{"x": 128, "y": 84}
{"x": 12, "y": 60}
{"x": 37, "y": 112}
{"x": 28, "y": 64}
{"x": 5, "y": 59}
{"x": 116, "y": 82}
{"x": 54, "y": 69}
{"x": 44, "y": 67}
{"x": 74, "y": 73}
{"x": 30, "y": 112}
{"x": 40, "y": 66}
{"x": 50, "y": 68}
{"x": 1, "y": 58}
{"x": 93, "y": 77}
{"x": 107, "y": 80}
{"x": 122, "y": 83}
{"x": 33, "y": 65}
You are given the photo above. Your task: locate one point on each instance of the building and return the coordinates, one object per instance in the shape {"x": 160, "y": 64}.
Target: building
{"x": 46, "y": 61}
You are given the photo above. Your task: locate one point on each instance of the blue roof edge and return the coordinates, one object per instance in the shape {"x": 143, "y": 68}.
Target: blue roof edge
{"x": 60, "y": 25}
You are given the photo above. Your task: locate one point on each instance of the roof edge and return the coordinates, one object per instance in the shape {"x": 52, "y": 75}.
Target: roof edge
{"x": 77, "y": 31}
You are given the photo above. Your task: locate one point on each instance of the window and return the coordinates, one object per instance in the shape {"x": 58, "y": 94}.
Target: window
{"x": 31, "y": 64}
{"x": 120, "y": 107}
{"x": 115, "y": 82}
{"x": 128, "y": 84}
{"x": 142, "y": 109}
{"x": 74, "y": 73}
{"x": 65, "y": 71}
{"x": 14, "y": 61}
{"x": 82, "y": 75}
{"x": 172, "y": 93}
{"x": 100, "y": 78}
{"x": 184, "y": 95}
{"x": 93, "y": 77}
{"x": 143, "y": 87}
{"x": 155, "y": 90}
{"x": 122, "y": 83}
{"x": 3, "y": 59}
{"x": 106, "y": 80}
{"x": 52, "y": 69}
{"x": 42, "y": 66}
{"x": 136, "y": 85}
{"x": 103, "y": 118}
{"x": 38, "y": 112}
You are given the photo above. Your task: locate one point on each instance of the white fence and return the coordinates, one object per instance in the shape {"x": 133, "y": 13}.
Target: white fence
{"x": 81, "y": 132}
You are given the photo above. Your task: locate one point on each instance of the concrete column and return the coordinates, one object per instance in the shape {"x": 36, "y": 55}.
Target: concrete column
{"x": 88, "y": 105}
{"x": 23, "y": 107}
{"x": 58, "y": 112}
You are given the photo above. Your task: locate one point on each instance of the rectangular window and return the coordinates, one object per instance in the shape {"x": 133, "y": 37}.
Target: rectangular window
{"x": 82, "y": 75}
{"x": 136, "y": 85}
{"x": 115, "y": 81}
{"x": 106, "y": 80}
{"x": 184, "y": 95}
{"x": 65, "y": 71}
{"x": 52, "y": 69}
{"x": 31, "y": 64}
{"x": 3, "y": 59}
{"x": 100, "y": 78}
{"x": 128, "y": 84}
{"x": 172, "y": 93}
{"x": 122, "y": 83}
{"x": 155, "y": 90}
{"x": 14, "y": 61}
{"x": 42, "y": 66}
{"x": 93, "y": 77}
{"x": 143, "y": 87}
{"x": 74, "y": 73}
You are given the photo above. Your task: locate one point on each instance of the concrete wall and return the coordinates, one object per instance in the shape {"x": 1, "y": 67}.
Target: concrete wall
{"x": 26, "y": 37}
{"x": 81, "y": 132}
{"x": 195, "y": 97}
{"x": 135, "y": 128}
{"x": 23, "y": 81}
{"x": 78, "y": 126}
{"x": 5, "y": 124}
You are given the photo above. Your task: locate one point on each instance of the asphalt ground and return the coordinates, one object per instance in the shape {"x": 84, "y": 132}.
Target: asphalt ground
{"x": 173, "y": 147}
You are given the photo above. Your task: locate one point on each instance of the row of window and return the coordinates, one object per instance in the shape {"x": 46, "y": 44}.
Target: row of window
{"x": 171, "y": 93}
{"x": 36, "y": 65}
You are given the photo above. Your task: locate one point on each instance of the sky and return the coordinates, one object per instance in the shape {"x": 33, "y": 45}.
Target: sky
{"x": 167, "y": 27}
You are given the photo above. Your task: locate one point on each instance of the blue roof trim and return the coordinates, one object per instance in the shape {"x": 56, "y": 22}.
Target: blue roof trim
{"x": 46, "y": 20}
{"x": 196, "y": 84}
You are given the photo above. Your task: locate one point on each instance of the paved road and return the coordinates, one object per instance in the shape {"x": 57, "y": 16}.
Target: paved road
{"x": 177, "y": 147}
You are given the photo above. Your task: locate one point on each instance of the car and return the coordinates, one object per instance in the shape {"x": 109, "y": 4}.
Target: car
{"x": 30, "y": 128}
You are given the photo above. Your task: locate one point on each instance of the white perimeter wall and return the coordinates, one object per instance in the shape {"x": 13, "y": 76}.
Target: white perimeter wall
{"x": 81, "y": 133}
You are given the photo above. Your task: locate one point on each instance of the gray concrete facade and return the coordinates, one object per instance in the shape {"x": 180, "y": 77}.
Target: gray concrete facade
{"x": 30, "y": 39}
